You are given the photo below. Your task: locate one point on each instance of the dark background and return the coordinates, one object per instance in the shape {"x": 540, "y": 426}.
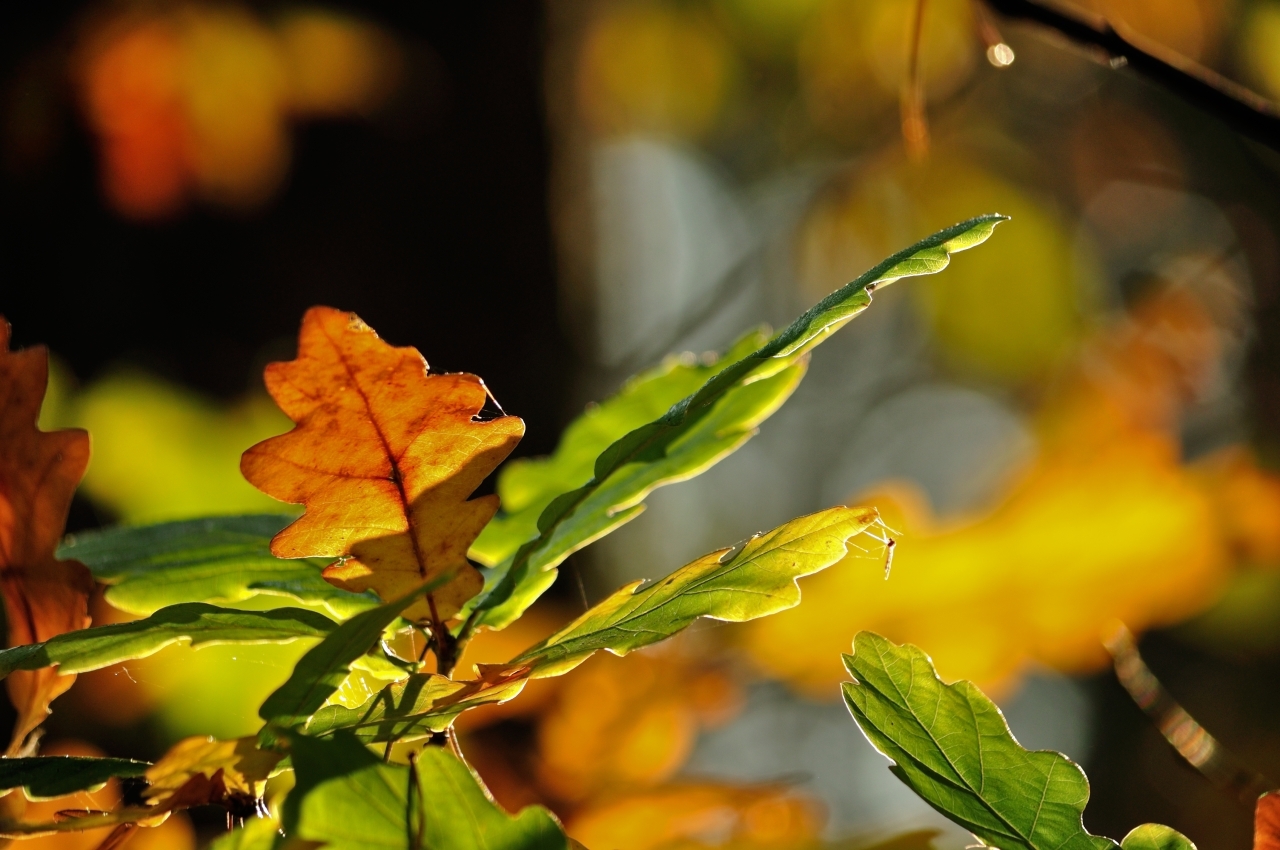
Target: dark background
{"x": 430, "y": 222}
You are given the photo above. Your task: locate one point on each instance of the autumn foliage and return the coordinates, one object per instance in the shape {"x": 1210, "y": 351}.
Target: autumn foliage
{"x": 391, "y": 728}
{"x": 385, "y": 456}
{"x": 43, "y": 596}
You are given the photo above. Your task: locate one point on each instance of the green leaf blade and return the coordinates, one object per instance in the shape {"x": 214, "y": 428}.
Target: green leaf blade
{"x": 1154, "y": 836}
{"x": 101, "y": 646}
{"x": 350, "y": 800}
{"x": 528, "y": 485}
{"x": 577, "y": 518}
{"x": 45, "y": 777}
{"x": 733, "y": 586}
{"x": 214, "y": 559}
{"x": 950, "y": 744}
{"x": 413, "y": 708}
{"x": 321, "y": 671}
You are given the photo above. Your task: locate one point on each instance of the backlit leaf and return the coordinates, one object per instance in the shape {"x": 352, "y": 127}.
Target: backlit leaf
{"x": 951, "y": 745}
{"x": 384, "y": 456}
{"x": 730, "y": 585}
{"x": 215, "y": 559}
{"x": 413, "y": 708}
{"x": 528, "y": 485}
{"x": 257, "y": 834}
{"x": 43, "y": 596}
{"x": 102, "y": 646}
{"x": 688, "y": 437}
{"x": 1266, "y": 822}
{"x": 55, "y": 776}
{"x": 203, "y": 770}
{"x": 759, "y": 579}
{"x": 320, "y": 672}
{"x": 350, "y": 800}
{"x": 1154, "y": 836}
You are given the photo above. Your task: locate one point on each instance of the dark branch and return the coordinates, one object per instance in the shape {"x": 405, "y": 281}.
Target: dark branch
{"x": 1242, "y": 110}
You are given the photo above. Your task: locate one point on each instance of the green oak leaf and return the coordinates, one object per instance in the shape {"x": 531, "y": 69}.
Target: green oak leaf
{"x": 418, "y": 706}
{"x": 196, "y": 622}
{"x": 45, "y": 777}
{"x": 1154, "y": 836}
{"x": 321, "y": 671}
{"x": 215, "y": 559}
{"x": 350, "y": 800}
{"x": 734, "y": 585}
{"x": 527, "y": 485}
{"x": 754, "y": 579}
{"x": 257, "y": 834}
{"x": 696, "y": 431}
{"x": 951, "y": 745}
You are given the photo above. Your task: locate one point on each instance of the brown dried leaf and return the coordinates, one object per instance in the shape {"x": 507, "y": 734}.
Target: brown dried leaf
{"x": 39, "y": 471}
{"x": 1266, "y": 822}
{"x": 202, "y": 770}
{"x": 384, "y": 456}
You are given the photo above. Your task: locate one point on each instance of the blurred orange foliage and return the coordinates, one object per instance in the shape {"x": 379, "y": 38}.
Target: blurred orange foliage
{"x": 608, "y": 741}
{"x": 193, "y": 101}
{"x": 1108, "y": 523}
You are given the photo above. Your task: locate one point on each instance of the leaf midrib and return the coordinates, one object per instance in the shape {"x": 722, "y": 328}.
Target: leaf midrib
{"x": 929, "y": 731}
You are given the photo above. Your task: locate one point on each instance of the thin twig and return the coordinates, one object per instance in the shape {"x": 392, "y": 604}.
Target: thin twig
{"x": 915, "y": 126}
{"x": 1223, "y": 768}
{"x": 1245, "y": 111}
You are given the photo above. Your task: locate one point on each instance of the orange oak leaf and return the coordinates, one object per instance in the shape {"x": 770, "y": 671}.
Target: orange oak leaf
{"x": 1266, "y": 822}
{"x": 384, "y": 456}
{"x": 39, "y": 471}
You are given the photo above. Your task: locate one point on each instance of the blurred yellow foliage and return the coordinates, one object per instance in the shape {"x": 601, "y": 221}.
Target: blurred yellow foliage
{"x": 649, "y": 68}
{"x": 162, "y": 452}
{"x": 1190, "y": 27}
{"x": 1259, "y": 37}
{"x": 853, "y": 58}
{"x": 1107, "y": 524}
{"x": 769, "y": 27}
{"x": 1008, "y": 312}
{"x": 213, "y": 690}
{"x": 192, "y": 99}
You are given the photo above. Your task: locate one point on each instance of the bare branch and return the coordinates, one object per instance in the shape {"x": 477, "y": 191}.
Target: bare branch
{"x": 1243, "y": 110}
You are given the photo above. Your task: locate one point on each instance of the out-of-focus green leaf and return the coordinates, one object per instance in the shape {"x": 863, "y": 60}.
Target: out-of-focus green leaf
{"x": 321, "y": 671}
{"x": 349, "y": 800}
{"x": 44, "y": 777}
{"x": 1154, "y": 836}
{"x": 951, "y": 745}
{"x": 734, "y": 585}
{"x": 696, "y": 431}
{"x": 215, "y": 559}
{"x": 102, "y": 646}
{"x": 416, "y": 707}
{"x": 528, "y": 485}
